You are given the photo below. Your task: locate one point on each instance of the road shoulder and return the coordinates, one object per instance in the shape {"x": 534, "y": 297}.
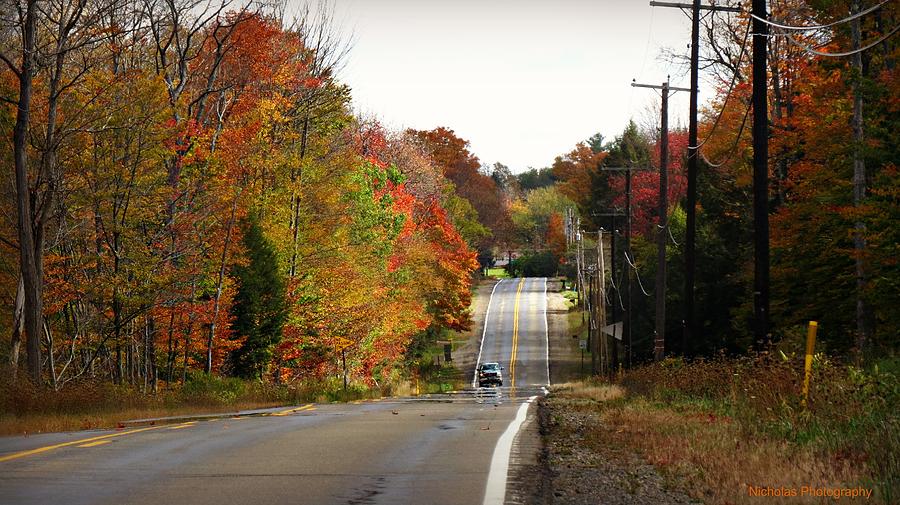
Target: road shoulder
{"x": 565, "y": 357}
{"x": 579, "y": 468}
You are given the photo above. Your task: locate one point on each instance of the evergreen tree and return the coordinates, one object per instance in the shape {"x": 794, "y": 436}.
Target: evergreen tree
{"x": 260, "y": 307}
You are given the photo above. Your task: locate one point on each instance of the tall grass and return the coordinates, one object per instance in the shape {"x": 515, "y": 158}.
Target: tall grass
{"x": 851, "y": 416}
{"x": 25, "y": 408}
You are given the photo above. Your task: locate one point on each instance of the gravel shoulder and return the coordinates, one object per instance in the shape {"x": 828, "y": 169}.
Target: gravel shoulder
{"x": 580, "y": 469}
{"x": 571, "y": 462}
{"x": 565, "y": 355}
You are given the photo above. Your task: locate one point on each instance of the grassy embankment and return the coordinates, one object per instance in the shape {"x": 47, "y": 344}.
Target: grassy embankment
{"x": 91, "y": 405}
{"x": 714, "y": 428}
{"x": 497, "y": 273}
{"x": 435, "y": 375}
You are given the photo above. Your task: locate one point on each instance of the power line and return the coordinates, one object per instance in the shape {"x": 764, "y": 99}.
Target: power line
{"x": 737, "y": 140}
{"x": 730, "y": 90}
{"x": 819, "y": 27}
{"x": 636, "y": 274}
{"x": 846, "y": 53}
{"x": 669, "y": 229}
{"x": 612, "y": 281}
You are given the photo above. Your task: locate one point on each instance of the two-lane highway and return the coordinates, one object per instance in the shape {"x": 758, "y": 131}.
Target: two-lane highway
{"x": 442, "y": 449}
{"x": 516, "y": 333}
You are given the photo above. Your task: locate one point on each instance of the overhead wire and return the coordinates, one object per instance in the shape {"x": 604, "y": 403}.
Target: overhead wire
{"x": 643, "y": 60}
{"x": 637, "y": 274}
{"x": 734, "y": 146}
{"x": 845, "y": 53}
{"x": 612, "y": 281}
{"x": 730, "y": 89}
{"x": 669, "y": 229}
{"x": 797, "y": 43}
{"x": 819, "y": 27}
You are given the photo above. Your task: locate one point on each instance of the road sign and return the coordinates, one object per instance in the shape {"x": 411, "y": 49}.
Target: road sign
{"x": 614, "y": 330}
{"x": 343, "y": 343}
{"x": 582, "y": 344}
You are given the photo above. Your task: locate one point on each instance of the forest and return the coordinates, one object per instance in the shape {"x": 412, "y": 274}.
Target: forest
{"x": 833, "y": 191}
{"x": 192, "y": 193}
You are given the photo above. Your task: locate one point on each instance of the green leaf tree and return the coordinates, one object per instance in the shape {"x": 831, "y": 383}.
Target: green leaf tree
{"x": 260, "y": 307}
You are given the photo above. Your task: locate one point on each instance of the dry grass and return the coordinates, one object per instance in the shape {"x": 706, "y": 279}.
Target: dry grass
{"x": 714, "y": 460}
{"x": 717, "y": 427}
{"x": 590, "y": 391}
{"x": 26, "y": 409}
{"x": 55, "y": 422}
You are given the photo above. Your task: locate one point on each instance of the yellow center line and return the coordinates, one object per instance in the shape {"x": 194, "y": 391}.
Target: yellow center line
{"x": 183, "y": 425}
{"x": 94, "y": 444}
{"x": 22, "y": 454}
{"x": 308, "y": 406}
{"x": 515, "y": 343}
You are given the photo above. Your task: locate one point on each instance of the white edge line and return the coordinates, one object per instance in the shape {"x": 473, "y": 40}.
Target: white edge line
{"x": 495, "y": 490}
{"x": 546, "y": 332}
{"x": 483, "y": 333}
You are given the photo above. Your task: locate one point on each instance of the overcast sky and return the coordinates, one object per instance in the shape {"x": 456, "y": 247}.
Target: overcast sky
{"x": 522, "y": 80}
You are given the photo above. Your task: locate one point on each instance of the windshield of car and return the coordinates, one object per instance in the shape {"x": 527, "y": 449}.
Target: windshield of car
{"x": 490, "y": 367}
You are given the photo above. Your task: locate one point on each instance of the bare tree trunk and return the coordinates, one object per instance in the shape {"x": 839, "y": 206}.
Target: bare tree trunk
{"x": 219, "y": 282}
{"x": 170, "y": 357}
{"x": 296, "y": 178}
{"x": 151, "y": 352}
{"x": 190, "y": 329}
{"x": 29, "y": 257}
{"x": 50, "y": 356}
{"x": 781, "y": 167}
{"x": 859, "y": 192}
{"x": 18, "y": 330}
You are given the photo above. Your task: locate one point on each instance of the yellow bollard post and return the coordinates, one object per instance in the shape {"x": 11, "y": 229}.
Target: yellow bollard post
{"x": 810, "y": 346}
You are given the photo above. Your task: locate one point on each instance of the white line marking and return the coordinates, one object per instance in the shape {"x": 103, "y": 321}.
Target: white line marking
{"x": 495, "y": 491}
{"x": 546, "y": 332}
{"x": 483, "y": 333}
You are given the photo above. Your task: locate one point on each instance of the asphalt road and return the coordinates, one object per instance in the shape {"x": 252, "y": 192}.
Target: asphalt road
{"x": 442, "y": 449}
{"x": 516, "y": 334}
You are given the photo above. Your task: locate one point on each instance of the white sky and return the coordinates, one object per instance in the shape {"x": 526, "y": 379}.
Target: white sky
{"x": 522, "y": 80}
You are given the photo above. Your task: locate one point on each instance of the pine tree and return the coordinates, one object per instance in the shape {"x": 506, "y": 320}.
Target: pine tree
{"x": 260, "y": 307}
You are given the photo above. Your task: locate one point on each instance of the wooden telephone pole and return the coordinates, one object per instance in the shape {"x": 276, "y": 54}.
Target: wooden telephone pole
{"x": 691, "y": 205}
{"x": 626, "y": 253}
{"x": 663, "y": 226}
{"x": 760, "y": 176}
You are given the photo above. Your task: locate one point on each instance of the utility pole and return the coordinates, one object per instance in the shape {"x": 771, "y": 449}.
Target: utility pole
{"x": 662, "y": 228}
{"x": 602, "y": 337}
{"x": 614, "y": 348}
{"x": 592, "y": 333}
{"x": 760, "y": 177}
{"x": 690, "y": 232}
{"x": 626, "y": 253}
{"x": 626, "y": 326}
{"x": 692, "y": 162}
{"x": 623, "y": 357}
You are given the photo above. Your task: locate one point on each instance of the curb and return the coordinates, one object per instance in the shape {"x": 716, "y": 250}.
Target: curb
{"x": 151, "y": 421}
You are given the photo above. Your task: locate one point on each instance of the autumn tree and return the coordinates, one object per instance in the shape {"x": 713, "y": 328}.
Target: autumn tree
{"x": 463, "y": 169}
{"x": 580, "y": 179}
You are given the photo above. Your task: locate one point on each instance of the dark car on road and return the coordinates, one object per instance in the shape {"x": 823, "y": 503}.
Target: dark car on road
{"x": 489, "y": 374}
